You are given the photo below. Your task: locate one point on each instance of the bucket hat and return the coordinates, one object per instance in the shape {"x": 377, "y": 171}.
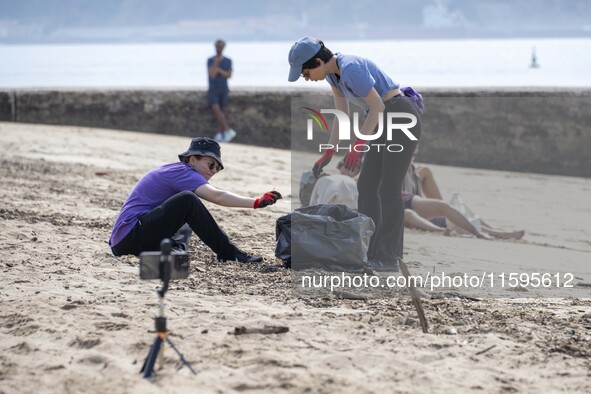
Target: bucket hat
{"x": 203, "y": 146}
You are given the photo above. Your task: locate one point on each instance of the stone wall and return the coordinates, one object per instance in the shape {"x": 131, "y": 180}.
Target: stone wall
{"x": 261, "y": 118}
{"x": 542, "y": 131}
{"x": 530, "y": 131}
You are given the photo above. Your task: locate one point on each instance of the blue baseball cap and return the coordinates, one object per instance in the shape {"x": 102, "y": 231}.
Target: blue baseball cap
{"x": 302, "y": 51}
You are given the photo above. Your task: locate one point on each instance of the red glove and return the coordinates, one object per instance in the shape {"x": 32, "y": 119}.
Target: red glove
{"x": 269, "y": 198}
{"x": 322, "y": 162}
{"x": 353, "y": 158}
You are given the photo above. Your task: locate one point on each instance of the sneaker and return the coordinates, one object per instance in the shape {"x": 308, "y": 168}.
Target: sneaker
{"x": 219, "y": 137}
{"x": 242, "y": 257}
{"x": 229, "y": 135}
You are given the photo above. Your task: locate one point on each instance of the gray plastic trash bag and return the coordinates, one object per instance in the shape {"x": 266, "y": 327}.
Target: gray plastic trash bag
{"x": 283, "y": 239}
{"x": 331, "y": 237}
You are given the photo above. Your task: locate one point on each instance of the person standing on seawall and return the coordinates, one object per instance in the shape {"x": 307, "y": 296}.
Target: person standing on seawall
{"x": 219, "y": 69}
{"x": 360, "y": 81}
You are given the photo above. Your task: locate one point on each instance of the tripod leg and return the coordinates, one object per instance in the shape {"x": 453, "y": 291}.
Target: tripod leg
{"x": 147, "y": 358}
{"x": 183, "y": 359}
{"x": 161, "y": 356}
{"x": 148, "y": 367}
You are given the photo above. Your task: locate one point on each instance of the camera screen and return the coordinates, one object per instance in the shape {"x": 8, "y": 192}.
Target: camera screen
{"x": 150, "y": 265}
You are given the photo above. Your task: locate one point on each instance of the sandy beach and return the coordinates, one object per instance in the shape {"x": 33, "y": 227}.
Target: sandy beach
{"x": 76, "y": 319}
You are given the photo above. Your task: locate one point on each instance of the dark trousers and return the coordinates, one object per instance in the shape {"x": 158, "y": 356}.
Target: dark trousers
{"x": 176, "y": 218}
{"x": 380, "y": 184}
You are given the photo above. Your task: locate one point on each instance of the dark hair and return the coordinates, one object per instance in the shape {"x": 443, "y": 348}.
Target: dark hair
{"x": 323, "y": 53}
{"x": 186, "y": 159}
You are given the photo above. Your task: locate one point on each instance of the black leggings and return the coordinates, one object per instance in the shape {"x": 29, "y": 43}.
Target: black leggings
{"x": 380, "y": 184}
{"x": 174, "y": 219}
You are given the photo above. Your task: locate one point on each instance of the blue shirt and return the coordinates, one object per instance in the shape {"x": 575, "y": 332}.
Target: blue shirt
{"x": 157, "y": 186}
{"x": 219, "y": 82}
{"x": 357, "y": 76}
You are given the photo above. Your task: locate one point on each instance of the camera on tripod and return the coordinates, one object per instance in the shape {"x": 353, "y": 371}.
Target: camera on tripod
{"x": 165, "y": 265}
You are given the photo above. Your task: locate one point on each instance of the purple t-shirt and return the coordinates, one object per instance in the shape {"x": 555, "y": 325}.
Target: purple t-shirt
{"x": 152, "y": 190}
{"x": 357, "y": 76}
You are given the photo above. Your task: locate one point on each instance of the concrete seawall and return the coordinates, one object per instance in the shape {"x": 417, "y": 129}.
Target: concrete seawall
{"x": 541, "y": 131}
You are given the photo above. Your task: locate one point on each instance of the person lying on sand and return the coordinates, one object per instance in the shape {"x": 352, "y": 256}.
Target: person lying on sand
{"x": 424, "y": 205}
{"x": 426, "y": 210}
{"x": 166, "y": 203}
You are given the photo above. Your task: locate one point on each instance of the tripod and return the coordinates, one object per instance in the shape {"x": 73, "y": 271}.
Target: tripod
{"x": 160, "y": 320}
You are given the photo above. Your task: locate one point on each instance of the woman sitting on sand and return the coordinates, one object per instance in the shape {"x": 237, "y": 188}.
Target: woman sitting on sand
{"x": 423, "y": 203}
{"x": 166, "y": 203}
{"x": 426, "y": 210}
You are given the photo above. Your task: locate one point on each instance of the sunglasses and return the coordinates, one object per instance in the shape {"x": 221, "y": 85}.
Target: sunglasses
{"x": 215, "y": 166}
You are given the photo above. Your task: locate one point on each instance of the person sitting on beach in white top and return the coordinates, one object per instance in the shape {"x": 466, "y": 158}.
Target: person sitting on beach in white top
{"x": 424, "y": 206}
{"x": 426, "y": 210}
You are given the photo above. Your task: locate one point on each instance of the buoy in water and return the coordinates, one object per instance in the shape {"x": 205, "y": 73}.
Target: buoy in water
{"x": 534, "y": 60}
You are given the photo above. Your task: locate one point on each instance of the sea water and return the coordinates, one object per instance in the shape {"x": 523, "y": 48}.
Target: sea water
{"x": 419, "y": 63}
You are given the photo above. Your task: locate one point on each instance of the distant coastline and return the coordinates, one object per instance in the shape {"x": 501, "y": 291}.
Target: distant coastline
{"x": 423, "y": 34}
{"x": 125, "y": 21}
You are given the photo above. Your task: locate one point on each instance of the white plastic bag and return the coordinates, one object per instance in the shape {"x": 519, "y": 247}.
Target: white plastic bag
{"x": 458, "y": 203}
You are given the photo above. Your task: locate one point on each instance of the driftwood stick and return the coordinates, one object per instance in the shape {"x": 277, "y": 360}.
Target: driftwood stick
{"x": 265, "y": 330}
{"x": 416, "y": 300}
{"x": 485, "y": 350}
